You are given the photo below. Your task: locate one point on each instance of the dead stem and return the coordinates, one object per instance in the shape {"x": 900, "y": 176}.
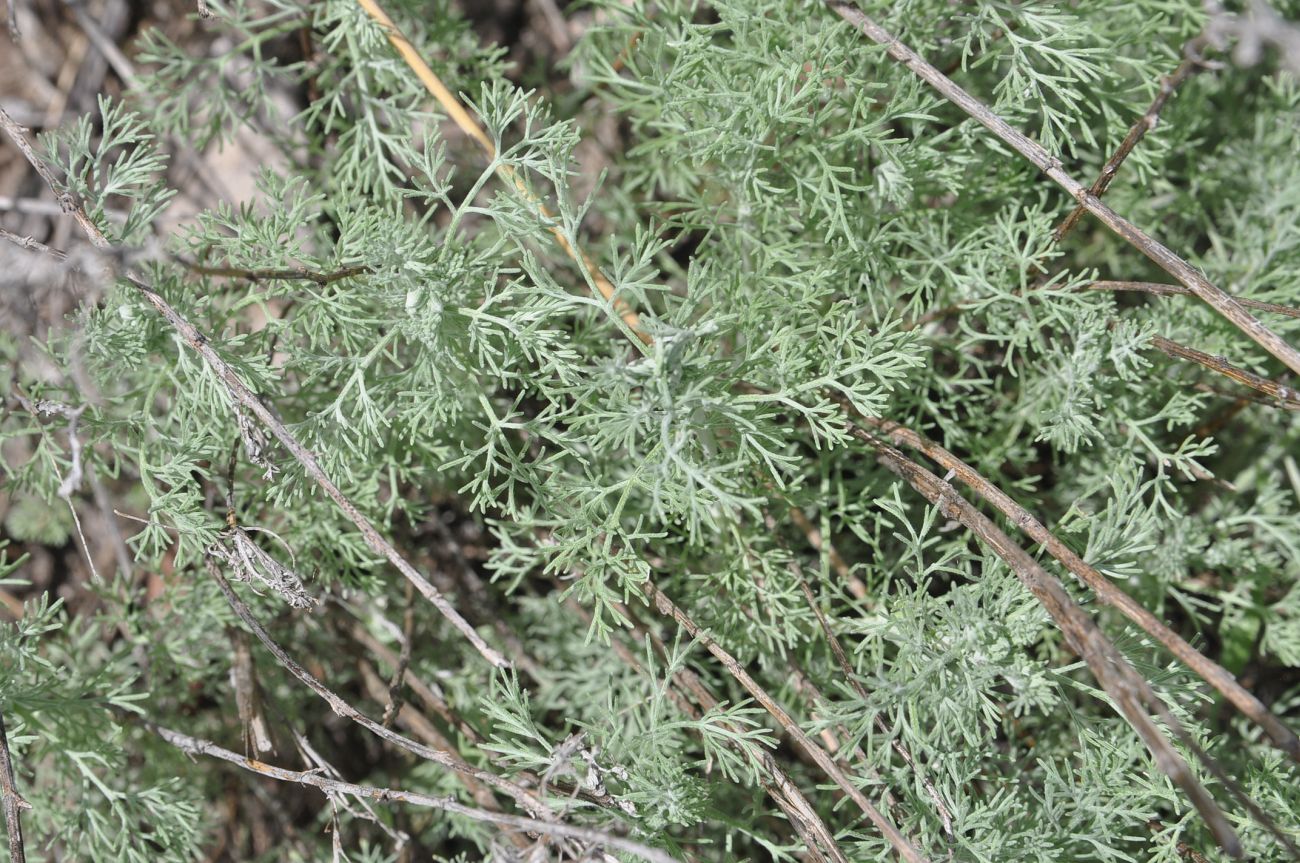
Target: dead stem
{"x": 341, "y": 707}
{"x": 1210, "y": 671}
{"x": 198, "y": 746}
{"x": 1161, "y": 255}
{"x": 669, "y": 609}
{"x": 13, "y": 801}
{"x": 467, "y": 124}
{"x": 1281, "y": 395}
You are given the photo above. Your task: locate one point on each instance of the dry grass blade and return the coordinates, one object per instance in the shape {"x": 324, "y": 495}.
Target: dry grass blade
{"x": 467, "y": 124}
{"x": 1161, "y": 255}
{"x": 1128, "y": 689}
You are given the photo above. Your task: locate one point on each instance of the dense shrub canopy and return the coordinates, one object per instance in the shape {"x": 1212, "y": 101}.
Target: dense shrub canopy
{"x": 614, "y": 386}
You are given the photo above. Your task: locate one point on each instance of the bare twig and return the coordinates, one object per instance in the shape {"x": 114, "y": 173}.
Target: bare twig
{"x": 1161, "y": 255}
{"x": 777, "y": 783}
{"x": 67, "y": 201}
{"x": 105, "y": 506}
{"x": 804, "y": 685}
{"x": 32, "y": 245}
{"x": 809, "y": 690}
{"x": 289, "y": 274}
{"x": 467, "y": 584}
{"x": 1192, "y": 63}
{"x": 1213, "y": 673}
{"x": 13, "y": 801}
{"x": 1282, "y": 395}
{"x": 104, "y": 44}
{"x": 341, "y": 707}
{"x": 1162, "y": 289}
{"x": 395, "y": 684}
{"x": 669, "y": 609}
{"x": 436, "y": 702}
{"x": 197, "y": 746}
{"x": 241, "y": 395}
{"x": 250, "y": 563}
{"x": 1129, "y": 691}
{"x": 1215, "y": 423}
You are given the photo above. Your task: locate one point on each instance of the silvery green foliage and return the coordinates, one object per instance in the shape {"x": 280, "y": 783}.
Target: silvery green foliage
{"x": 785, "y": 202}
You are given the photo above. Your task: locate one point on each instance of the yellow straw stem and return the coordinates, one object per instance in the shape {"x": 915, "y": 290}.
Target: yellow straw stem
{"x": 467, "y": 124}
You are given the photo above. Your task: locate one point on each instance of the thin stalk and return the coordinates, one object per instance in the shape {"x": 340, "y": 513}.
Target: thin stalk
{"x": 1050, "y": 165}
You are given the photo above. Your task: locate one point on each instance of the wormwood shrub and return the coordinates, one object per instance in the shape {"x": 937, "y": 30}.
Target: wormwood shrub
{"x": 551, "y": 444}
